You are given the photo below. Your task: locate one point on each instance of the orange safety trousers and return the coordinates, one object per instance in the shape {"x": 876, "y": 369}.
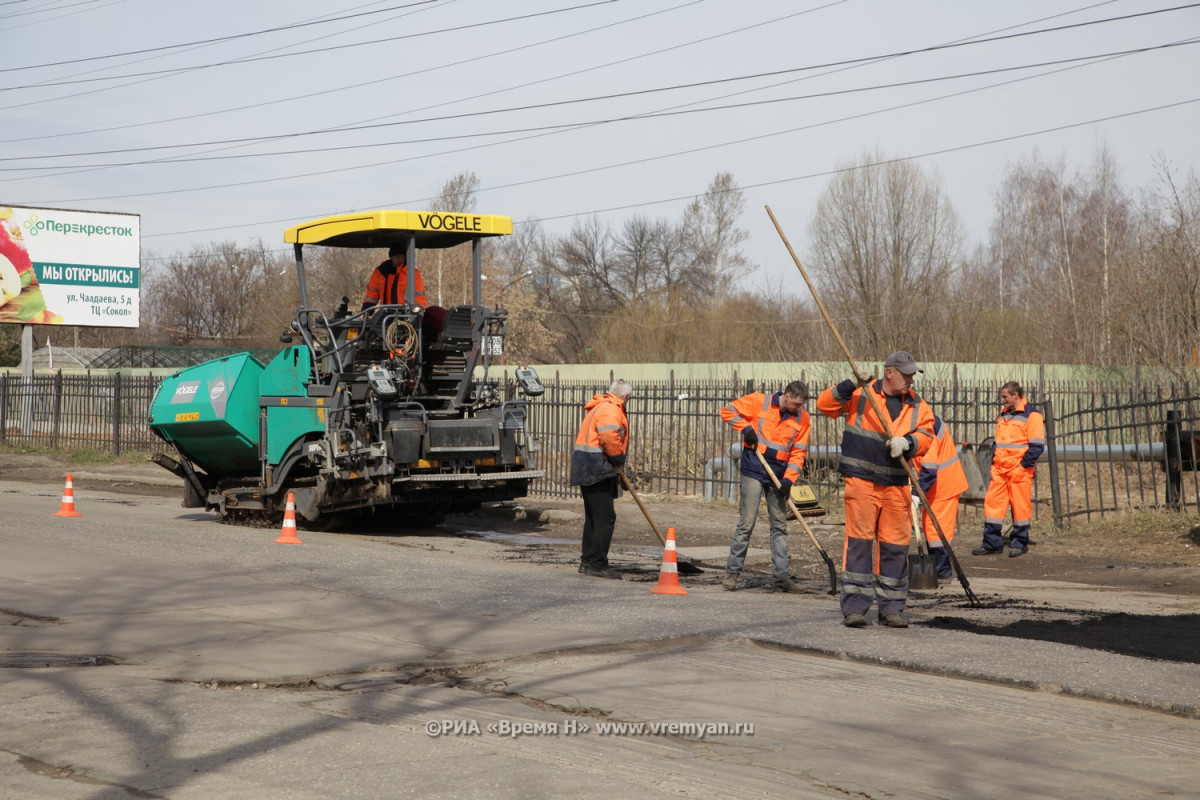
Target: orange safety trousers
{"x": 946, "y": 511}
{"x": 875, "y": 551}
{"x": 1013, "y": 487}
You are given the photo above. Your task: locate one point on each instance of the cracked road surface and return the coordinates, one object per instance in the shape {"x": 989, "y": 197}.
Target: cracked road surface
{"x": 435, "y": 665}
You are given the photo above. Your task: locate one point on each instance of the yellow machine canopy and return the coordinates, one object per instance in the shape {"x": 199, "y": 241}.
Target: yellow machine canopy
{"x": 389, "y": 227}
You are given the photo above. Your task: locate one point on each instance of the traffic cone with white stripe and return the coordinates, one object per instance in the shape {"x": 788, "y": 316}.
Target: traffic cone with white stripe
{"x": 288, "y": 535}
{"x": 668, "y": 576}
{"x": 67, "y": 509}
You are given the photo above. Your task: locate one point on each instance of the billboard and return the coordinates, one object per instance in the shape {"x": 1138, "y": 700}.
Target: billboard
{"x": 61, "y": 267}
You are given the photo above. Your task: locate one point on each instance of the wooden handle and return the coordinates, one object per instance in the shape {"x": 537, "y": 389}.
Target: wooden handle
{"x": 638, "y": 500}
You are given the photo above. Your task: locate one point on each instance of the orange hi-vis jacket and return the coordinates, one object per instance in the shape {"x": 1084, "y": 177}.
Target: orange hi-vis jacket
{"x": 864, "y": 440}
{"x": 604, "y": 432}
{"x": 1020, "y": 438}
{"x": 782, "y": 437}
{"x": 387, "y": 285}
{"x": 939, "y": 470}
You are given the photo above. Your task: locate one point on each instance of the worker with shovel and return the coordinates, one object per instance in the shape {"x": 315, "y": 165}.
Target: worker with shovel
{"x": 878, "y": 509}
{"x": 596, "y": 460}
{"x": 777, "y": 426}
{"x": 943, "y": 480}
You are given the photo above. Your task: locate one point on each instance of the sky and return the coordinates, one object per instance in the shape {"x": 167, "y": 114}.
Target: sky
{"x": 232, "y": 121}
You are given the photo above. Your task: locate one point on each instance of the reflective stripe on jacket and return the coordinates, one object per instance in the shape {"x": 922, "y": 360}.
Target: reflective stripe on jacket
{"x": 782, "y": 437}
{"x": 864, "y": 441}
{"x": 1020, "y": 437}
{"x": 940, "y": 471}
{"x": 387, "y": 284}
{"x": 604, "y": 432}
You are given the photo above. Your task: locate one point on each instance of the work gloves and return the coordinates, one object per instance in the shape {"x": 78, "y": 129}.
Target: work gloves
{"x": 863, "y": 377}
{"x": 617, "y": 461}
{"x": 785, "y": 488}
{"x": 898, "y": 445}
{"x": 749, "y": 437}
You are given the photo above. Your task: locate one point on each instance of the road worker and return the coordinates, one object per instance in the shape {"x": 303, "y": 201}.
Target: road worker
{"x": 941, "y": 476}
{"x": 877, "y": 494}
{"x": 1020, "y": 440}
{"x": 777, "y": 426}
{"x": 600, "y": 450}
{"x": 388, "y": 281}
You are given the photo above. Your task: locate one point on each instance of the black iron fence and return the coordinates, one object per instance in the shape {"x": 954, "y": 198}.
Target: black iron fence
{"x": 1110, "y": 447}
{"x": 105, "y": 413}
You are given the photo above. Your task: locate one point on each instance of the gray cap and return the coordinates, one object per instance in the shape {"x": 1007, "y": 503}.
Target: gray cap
{"x": 903, "y": 361}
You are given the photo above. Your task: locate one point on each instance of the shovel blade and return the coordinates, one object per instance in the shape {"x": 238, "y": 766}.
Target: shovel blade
{"x": 922, "y": 571}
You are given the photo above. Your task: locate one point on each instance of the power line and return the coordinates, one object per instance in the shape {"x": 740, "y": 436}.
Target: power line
{"x": 216, "y": 39}
{"x": 596, "y": 98}
{"x": 332, "y": 48}
{"x": 604, "y": 121}
{"x": 793, "y": 179}
{"x": 897, "y": 160}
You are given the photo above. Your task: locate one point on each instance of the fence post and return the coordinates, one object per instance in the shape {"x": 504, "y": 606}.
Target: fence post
{"x": 1174, "y": 465}
{"x": 117, "y": 415}
{"x": 4, "y": 408}
{"x": 56, "y": 411}
{"x": 1052, "y": 457}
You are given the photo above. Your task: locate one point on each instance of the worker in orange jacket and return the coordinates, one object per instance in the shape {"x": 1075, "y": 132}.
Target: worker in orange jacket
{"x": 600, "y": 450}
{"x": 942, "y": 478}
{"x": 1020, "y": 440}
{"x": 878, "y": 508}
{"x": 389, "y": 281}
{"x": 777, "y": 426}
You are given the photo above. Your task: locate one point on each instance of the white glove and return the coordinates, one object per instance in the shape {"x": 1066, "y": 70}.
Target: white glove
{"x": 897, "y": 445}
{"x": 863, "y": 377}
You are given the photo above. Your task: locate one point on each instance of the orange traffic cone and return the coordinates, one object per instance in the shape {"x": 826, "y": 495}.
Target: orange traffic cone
{"x": 668, "y": 576}
{"x": 67, "y": 509}
{"x": 288, "y": 535}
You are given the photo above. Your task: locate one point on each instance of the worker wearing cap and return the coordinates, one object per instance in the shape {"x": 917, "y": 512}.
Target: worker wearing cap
{"x": 777, "y": 426}
{"x": 388, "y": 282}
{"x": 600, "y": 450}
{"x": 1020, "y": 440}
{"x": 942, "y": 478}
{"x": 877, "y": 495}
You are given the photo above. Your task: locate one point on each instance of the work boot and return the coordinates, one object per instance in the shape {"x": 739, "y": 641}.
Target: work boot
{"x": 893, "y": 621}
{"x": 855, "y": 621}
{"x": 730, "y": 582}
{"x": 599, "y": 572}
{"x": 788, "y": 585}
{"x": 985, "y": 551}
{"x": 1013, "y": 552}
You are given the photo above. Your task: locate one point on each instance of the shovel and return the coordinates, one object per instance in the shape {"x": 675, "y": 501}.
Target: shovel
{"x": 912, "y": 473}
{"x": 824, "y": 556}
{"x": 922, "y": 567}
{"x": 684, "y": 567}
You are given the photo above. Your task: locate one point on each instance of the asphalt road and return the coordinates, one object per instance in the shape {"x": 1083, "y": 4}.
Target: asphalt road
{"x": 437, "y": 666}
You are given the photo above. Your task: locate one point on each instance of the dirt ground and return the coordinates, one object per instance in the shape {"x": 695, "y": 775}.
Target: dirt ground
{"x": 1123, "y": 585}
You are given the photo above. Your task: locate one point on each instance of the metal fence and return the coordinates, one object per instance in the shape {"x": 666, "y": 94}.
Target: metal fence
{"x": 105, "y": 413}
{"x": 1111, "y": 448}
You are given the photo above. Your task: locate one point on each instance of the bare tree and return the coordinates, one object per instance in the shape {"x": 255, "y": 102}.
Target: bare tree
{"x": 887, "y": 242}
{"x": 522, "y": 274}
{"x": 215, "y": 293}
{"x": 1054, "y": 242}
{"x": 711, "y": 225}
